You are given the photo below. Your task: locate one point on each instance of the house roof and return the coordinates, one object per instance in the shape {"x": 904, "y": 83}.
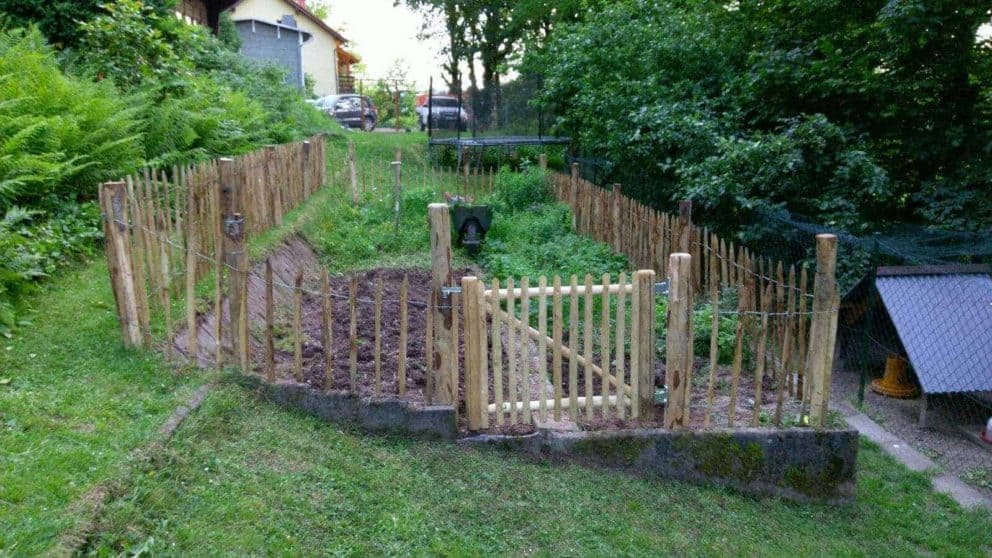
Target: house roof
{"x": 347, "y": 57}
{"x": 943, "y": 315}
{"x": 305, "y": 12}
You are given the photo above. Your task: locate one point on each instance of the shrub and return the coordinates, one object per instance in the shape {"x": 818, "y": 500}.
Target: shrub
{"x": 33, "y": 246}
{"x": 521, "y": 190}
{"x": 540, "y": 242}
{"x": 59, "y": 135}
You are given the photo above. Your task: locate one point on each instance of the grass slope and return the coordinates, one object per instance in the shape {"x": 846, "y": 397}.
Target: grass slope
{"x": 76, "y": 405}
{"x": 246, "y": 477}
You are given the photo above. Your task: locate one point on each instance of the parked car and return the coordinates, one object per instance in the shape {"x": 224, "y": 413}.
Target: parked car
{"x": 352, "y": 111}
{"x": 443, "y": 111}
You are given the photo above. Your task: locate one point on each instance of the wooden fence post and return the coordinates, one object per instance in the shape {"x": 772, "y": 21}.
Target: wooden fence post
{"x": 475, "y": 350}
{"x": 353, "y": 172}
{"x": 573, "y": 195}
{"x": 441, "y": 362}
{"x": 683, "y": 232}
{"x": 235, "y": 257}
{"x": 678, "y": 352}
{"x": 823, "y": 328}
{"x": 119, "y": 262}
{"x": 646, "y": 339}
{"x": 615, "y": 219}
{"x": 542, "y": 161}
{"x": 397, "y": 192}
{"x": 305, "y": 171}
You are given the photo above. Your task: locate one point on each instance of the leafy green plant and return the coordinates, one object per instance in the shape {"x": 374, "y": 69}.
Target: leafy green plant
{"x": 521, "y": 190}
{"x": 540, "y": 241}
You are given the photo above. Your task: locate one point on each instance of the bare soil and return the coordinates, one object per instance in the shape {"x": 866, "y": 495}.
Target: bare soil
{"x": 296, "y": 255}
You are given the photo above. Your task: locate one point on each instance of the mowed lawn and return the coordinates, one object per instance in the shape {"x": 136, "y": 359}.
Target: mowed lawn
{"x": 74, "y": 406}
{"x": 245, "y": 477}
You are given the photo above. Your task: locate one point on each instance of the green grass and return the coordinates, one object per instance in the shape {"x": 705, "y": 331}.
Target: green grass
{"x": 73, "y": 407}
{"x": 246, "y": 477}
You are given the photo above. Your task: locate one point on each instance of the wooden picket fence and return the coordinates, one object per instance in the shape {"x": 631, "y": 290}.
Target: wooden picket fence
{"x": 167, "y": 229}
{"x": 785, "y": 332}
{"x": 577, "y": 351}
{"x": 505, "y": 380}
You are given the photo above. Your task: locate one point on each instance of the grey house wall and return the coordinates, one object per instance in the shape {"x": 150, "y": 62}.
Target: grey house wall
{"x": 271, "y": 44}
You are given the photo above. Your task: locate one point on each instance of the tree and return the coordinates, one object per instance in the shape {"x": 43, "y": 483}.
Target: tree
{"x": 856, "y": 113}
{"x": 59, "y": 19}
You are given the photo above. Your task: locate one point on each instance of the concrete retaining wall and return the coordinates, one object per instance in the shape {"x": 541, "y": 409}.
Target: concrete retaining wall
{"x": 387, "y": 416}
{"x": 796, "y": 464}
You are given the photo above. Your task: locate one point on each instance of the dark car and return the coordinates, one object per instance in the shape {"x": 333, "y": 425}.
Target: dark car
{"x": 353, "y": 111}
{"x": 444, "y": 111}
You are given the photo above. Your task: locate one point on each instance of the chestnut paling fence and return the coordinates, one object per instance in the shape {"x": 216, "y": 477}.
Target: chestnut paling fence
{"x": 178, "y": 237}
{"x": 578, "y": 348}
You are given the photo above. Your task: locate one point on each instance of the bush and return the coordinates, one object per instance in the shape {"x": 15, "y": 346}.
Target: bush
{"x": 33, "y": 246}
{"x": 59, "y": 135}
{"x": 857, "y": 113}
{"x": 522, "y": 190}
{"x": 540, "y": 241}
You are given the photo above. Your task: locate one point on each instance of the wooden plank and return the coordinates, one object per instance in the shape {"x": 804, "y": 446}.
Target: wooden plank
{"x": 404, "y": 326}
{"x": 714, "y": 280}
{"x": 192, "y": 333}
{"x": 738, "y": 357}
{"x": 566, "y": 290}
{"x": 141, "y": 270}
{"x": 604, "y": 344}
{"x": 353, "y": 334}
{"x": 497, "y": 352}
{"x": 801, "y": 384}
{"x": 621, "y": 345}
{"x": 474, "y": 353}
{"x": 525, "y": 376}
{"x": 573, "y": 338}
{"x": 429, "y": 347}
{"x": 377, "y": 350}
{"x": 635, "y": 349}
{"x": 759, "y": 370}
{"x": 270, "y": 319}
{"x": 298, "y": 327}
{"x": 511, "y": 352}
{"x": 542, "y": 345}
{"x": 245, "y": 353}
{"x": 785, "y": 368}
{"x": 588, "y": 304}
{"x": 353, "y": 173}
{"x": 556, "y": 329}
{"x": 218, "y": 276}
{"x": 456, "y": 305}
{"x": 327, "y": 314}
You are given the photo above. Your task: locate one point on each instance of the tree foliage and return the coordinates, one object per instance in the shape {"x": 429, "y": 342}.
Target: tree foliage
{"x": 856, "y": 113}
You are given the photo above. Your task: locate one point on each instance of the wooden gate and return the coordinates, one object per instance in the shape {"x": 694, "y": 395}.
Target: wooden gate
{"x": 576, "y": 351}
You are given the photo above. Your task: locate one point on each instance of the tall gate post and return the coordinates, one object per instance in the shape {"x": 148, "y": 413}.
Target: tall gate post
{"x": 441, "y": 363}
{"x": 646, "y": 339}
{"x": 823, "y": 327}
{"x": 678, "y": 353}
